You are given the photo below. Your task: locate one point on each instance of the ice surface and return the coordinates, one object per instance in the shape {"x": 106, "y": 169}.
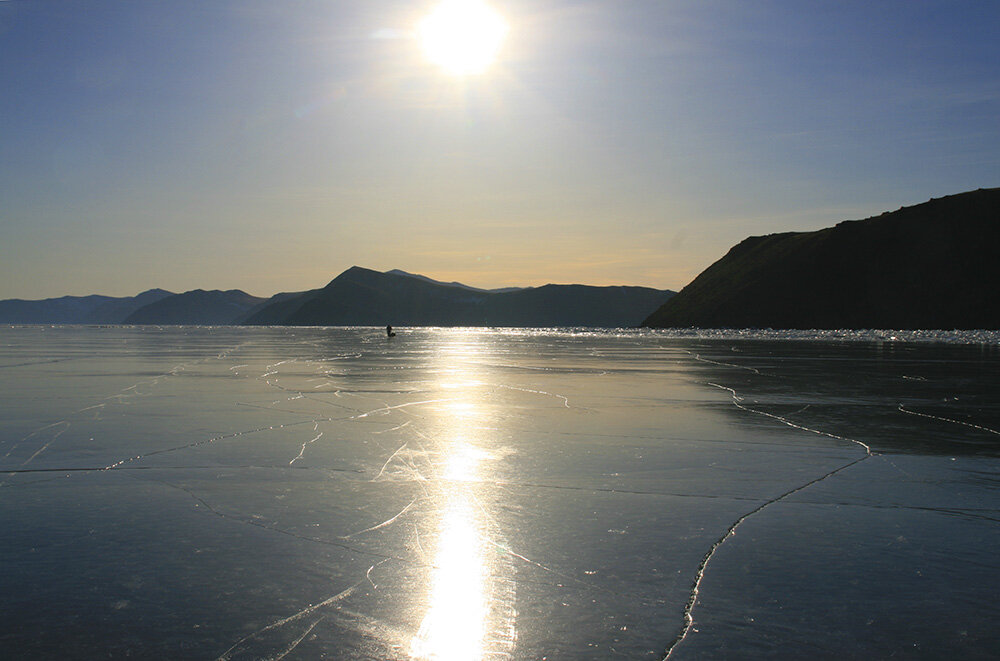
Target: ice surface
{"x": 231, "y": 493}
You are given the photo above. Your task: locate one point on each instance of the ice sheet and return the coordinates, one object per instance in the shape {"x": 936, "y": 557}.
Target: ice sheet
{"x": 484, "y": 493}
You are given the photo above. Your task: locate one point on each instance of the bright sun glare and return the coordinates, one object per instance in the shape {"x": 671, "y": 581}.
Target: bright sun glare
{"x": 462, "y": 36}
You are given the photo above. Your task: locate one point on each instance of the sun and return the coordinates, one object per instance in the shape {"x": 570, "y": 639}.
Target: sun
{"x": 462, "y": 36}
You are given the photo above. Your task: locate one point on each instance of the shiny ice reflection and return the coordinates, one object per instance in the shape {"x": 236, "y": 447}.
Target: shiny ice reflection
{"x": 280, "y": 493}
{"x": 453, "y": 627}
{"x": 462, "y": 595}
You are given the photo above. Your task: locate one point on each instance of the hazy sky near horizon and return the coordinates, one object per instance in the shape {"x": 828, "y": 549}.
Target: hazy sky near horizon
{"x": 270, "y": 145}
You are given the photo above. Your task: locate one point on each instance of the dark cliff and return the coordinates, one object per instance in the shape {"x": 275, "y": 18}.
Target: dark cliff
{"x": 929, "y": 266}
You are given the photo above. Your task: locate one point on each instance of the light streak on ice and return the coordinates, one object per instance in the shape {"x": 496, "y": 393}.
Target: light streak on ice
{"x": 454, "y": 626}
{"x": 469, "y": 612}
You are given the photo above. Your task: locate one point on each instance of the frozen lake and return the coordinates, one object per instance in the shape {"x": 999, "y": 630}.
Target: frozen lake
{"x": 256, "y": 493}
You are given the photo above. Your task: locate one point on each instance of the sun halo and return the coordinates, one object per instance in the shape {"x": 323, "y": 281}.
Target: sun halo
{"x": 462, "y": 36}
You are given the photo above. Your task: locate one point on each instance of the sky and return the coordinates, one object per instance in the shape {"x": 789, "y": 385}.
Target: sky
{"x": 268, "y": 146}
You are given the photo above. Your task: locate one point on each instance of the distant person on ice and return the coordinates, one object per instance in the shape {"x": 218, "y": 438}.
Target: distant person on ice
{"x": 389, "y": 332}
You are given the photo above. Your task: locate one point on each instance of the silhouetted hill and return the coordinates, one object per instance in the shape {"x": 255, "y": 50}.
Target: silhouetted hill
{"x": 929, "y": 266}
{"x": 197, "y": 307}
{"x": 94, "y": 309}
{"x": 272, "y": 311}
{"x": 453, "y": 283}
{"x": 117, "y": 309}
{"x": 358, "y": 297}
{"x": 362, "y": 297}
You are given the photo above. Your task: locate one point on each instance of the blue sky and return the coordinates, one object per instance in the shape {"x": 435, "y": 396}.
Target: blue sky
{"x": 270, "y": 145}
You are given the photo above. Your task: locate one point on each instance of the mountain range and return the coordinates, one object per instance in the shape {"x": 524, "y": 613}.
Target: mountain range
{"x": 357, "y": 297}
{"x": 207, "y": 308}
{"x": 94, "y": 309}
{"x": 929, "y": 266}
{"x": 363, "y": 297}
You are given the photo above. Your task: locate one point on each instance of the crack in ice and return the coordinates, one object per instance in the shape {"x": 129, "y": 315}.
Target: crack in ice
{"x": 731, "y": 531}
{"x": 303, "y": 450}
{"x": 225, "y": 656}
{"x": 957, "y": 422}
{"x": 721, "y": 364}
{"x": 386, "y": 409}
{"x": 387, "y": 522}
{"x": 737, "y": 403}
{"x": 564, "y": 399}
{"x": 295, "y": 643}
{"x": 214, "y": 439}
{"x": 281, "y": 531}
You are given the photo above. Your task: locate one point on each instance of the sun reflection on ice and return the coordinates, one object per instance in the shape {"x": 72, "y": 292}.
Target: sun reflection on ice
{"x": 461, "y": 463}
{"x": 455, "y": 623}
{"x": 470, "y": 603}
{"x": 461, "y": 409}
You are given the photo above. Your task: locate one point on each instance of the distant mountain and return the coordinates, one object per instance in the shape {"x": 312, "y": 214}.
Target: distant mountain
{"x": 362, "y": 297}
{"x": 94, "y": 309}
{"x": 272, "y": 311}
{"x": 357, "y": 297}
{"x": 197, "y": 307}
{"x": 453, "y": 284}
{"x": 929, "y": 266}
{"x": 115, "y": 310}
